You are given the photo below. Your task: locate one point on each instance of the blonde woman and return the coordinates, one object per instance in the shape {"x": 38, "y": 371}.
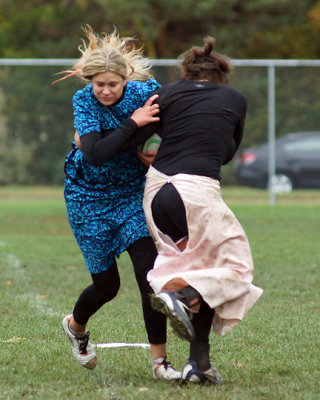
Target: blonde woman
{"x": 104, "y": 186}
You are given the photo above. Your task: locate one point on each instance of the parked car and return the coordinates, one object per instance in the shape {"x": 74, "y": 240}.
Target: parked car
{"x": 297, "y": 159}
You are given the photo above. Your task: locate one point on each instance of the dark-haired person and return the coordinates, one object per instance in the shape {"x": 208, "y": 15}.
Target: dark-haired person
{"x": 203, "y": 272}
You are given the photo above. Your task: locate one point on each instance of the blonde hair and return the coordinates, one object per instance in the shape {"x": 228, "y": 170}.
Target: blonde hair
{"x": 109, "y": 53}
{"x": 203, "y": 63}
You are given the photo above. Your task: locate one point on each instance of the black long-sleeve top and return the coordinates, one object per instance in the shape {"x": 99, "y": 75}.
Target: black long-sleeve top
{"x": 201, "y": 127}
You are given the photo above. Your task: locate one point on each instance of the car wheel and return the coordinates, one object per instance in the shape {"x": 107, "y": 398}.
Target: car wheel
{"x": 281, "y": 183}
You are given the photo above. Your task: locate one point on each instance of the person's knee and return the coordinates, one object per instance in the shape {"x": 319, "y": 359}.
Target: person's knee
{"x": 143, "y": 254}
{"x": 107, "y": 284}
{"x": 141, "y": 270}
{"x": 109, "y": 292}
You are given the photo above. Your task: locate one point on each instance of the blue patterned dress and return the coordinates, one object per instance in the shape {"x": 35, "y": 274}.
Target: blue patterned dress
{"x": 104, "y": 203}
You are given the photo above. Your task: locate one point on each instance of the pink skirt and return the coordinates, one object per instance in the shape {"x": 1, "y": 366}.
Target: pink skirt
{"x": 217, "y": 260}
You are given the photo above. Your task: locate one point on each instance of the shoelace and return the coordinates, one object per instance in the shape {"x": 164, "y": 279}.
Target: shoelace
{"x": 83, "y": 342}
{"x": 166, "y": 364}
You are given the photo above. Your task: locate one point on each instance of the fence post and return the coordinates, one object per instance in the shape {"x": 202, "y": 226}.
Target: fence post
{"x": 271, "y": 131}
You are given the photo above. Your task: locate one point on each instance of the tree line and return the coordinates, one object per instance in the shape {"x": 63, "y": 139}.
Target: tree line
{"x": 243, "y": 29}
{"x": 36, "y": 124}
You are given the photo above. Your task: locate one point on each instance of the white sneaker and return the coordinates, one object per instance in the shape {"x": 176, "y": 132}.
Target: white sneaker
{"x": 164, "y": 370}
{"x": 82, "y": 349}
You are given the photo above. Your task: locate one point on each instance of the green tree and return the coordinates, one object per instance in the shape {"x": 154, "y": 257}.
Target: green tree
{"x": 36, "y": 126}
{"x": 243, "y": 29}
{"x": 36, "y": 118}
{"x": 45, "y": 29}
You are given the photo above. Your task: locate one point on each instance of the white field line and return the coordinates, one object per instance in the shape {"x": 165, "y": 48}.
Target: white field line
{"x": 38, "y": 302}
{"x": 117, "y": 345}
{"x": 35, "y": 299}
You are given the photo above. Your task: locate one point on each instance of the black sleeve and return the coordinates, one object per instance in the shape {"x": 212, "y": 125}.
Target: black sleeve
{"x": 238, "y": 134}
{"x": 141, "y": 135}
{"x": 100, "y": 147}
{"x": 237, "y": 137}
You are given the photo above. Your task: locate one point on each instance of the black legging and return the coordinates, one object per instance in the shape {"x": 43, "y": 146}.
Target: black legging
{"x": 200, "y": 347}
{"x": 169, "y": 213}
{"x": 106, "y": 284}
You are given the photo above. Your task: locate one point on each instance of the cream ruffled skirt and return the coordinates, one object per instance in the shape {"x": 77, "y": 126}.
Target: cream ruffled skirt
{"x": 217, "y": 260}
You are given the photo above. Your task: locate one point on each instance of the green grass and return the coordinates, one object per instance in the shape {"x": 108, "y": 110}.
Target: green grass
{"x": 273, "y": 354}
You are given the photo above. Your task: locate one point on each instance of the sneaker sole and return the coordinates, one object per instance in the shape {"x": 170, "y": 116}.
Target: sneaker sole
{"x": 207, "y": 380}
{"x": 180, "y": 323}
{"x": 92, "y": 363}
{"x": 215, "y": 380}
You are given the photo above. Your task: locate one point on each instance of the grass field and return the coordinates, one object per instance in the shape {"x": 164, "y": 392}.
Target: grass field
{"x": 273, "y": 354}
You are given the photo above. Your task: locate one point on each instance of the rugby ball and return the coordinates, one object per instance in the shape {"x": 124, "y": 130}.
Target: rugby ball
{"x": 151, "y": 144}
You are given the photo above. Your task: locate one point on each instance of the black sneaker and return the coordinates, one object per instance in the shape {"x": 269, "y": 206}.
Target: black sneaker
{"x": 177, "y": 312}
{"x": 191, "y": 373}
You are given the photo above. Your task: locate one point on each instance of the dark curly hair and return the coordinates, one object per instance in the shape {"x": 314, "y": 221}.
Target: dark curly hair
{"x": 203, "y": 63}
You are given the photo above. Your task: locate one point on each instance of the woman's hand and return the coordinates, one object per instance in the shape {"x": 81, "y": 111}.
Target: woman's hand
{"x": 147, "y": 158}
{"x": 77, "y": 139}
{"x": 147, "y": 114}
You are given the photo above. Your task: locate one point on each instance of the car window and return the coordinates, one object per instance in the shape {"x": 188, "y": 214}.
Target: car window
{"x": 307, "y": 146}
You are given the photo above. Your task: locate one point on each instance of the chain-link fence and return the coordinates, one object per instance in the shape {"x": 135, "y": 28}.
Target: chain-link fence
{"x": 36, "y": 124}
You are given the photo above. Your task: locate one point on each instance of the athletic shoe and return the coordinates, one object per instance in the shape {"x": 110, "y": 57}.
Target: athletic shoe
{"x": 82, "y": 349}
{"x": 190, "y": 297}
{"x": 177, "y": 312}
{"x": 191, "y": 373}
{"x": 164, "y": 370}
